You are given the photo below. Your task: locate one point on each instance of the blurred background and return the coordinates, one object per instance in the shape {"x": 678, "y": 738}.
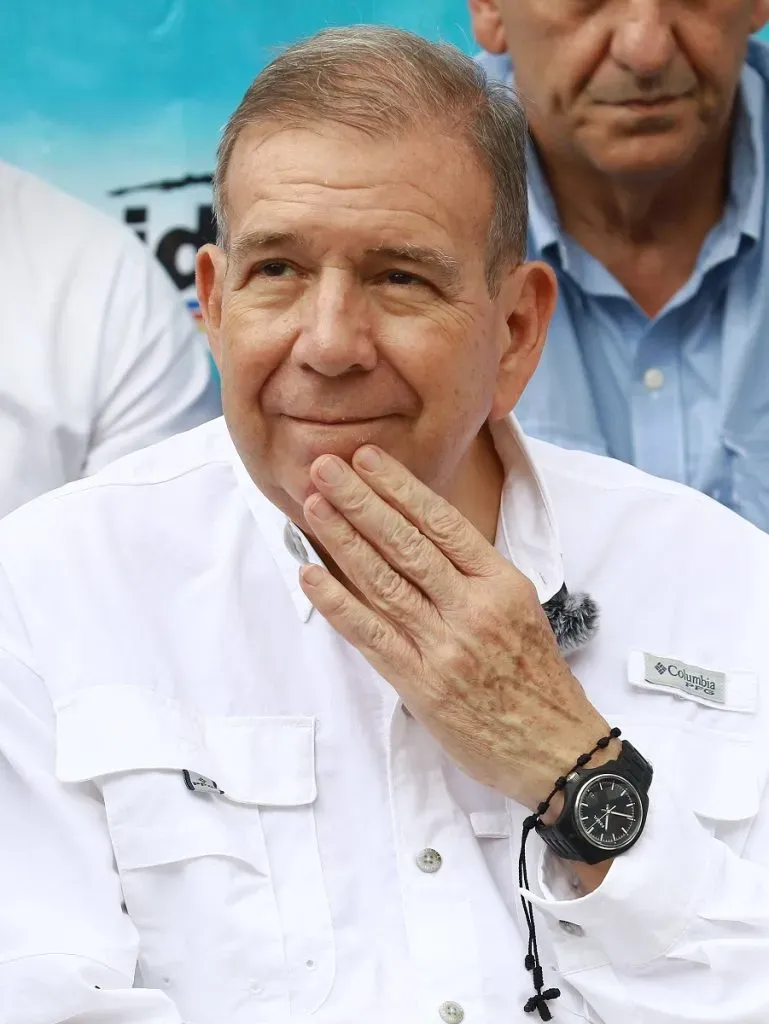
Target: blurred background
{"x": 120, "y": 102}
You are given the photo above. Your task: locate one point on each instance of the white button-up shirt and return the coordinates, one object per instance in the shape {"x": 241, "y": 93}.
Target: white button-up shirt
{"x": 98, "y": 356}
{"x": 214, "y": 811}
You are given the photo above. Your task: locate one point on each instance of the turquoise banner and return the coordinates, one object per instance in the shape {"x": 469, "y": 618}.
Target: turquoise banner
{"x": 120, "y": 102}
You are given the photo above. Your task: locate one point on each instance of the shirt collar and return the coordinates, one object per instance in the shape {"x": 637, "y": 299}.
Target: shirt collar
{"x": 748, "y": 175}
{"x": 748, "y": 158}
{"x": 287, "y": 545}
{"x": 544, "y": 226}
{"x": 526, "y": 532}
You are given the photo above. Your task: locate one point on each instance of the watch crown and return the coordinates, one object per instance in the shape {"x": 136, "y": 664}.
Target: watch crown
{"x": 572, "y": 776}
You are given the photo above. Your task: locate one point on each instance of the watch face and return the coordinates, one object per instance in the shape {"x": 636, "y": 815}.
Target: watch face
{"x": 608, "y": 812}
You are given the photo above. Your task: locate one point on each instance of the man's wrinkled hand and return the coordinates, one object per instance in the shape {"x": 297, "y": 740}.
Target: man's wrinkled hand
{"x": 451, "y": 624}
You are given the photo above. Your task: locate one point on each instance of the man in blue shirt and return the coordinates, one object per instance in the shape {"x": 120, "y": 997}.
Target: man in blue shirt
{"x": 648, "y": 196}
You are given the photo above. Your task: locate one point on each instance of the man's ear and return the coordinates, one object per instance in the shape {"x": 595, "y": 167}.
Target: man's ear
{"x": 760, "y": 15}
{"x": 488, "y": 27}
{"x": 210, "y": 268}
{"x": 527, "y": 299}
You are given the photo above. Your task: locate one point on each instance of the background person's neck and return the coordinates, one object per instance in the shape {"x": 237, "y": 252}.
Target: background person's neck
{"x": 647, "y": 232}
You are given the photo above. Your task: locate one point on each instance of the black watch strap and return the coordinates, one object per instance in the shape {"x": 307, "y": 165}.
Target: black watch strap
{"x": 562, "y": 838}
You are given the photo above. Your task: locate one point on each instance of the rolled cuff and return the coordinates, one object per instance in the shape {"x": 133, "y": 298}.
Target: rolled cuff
{"x": 651, "y": 893}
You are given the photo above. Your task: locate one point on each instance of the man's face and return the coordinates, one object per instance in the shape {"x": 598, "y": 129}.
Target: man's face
{"x": 632, "y": 87}
{"x": 352, "y": 305}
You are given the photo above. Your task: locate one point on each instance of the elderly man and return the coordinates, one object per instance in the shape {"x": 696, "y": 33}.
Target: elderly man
{"x": 292, "y": 704}
{"x": 648, "y": 197}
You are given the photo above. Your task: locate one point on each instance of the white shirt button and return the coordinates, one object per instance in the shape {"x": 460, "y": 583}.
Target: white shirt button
{"x": 292, "y": 538}
{"x": 429, "y": 861}
{"x": 654, "y": 378}
{"x": 571, "y": 929}
{"x": 451, "y": 1013}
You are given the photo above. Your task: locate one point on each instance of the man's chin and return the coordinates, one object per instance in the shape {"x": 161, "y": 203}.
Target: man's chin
{"x": 307, "y": 442}
{"x": 654, "y": 151}
{"x": 296, "y": 480}
{"x": 295, "y": 473}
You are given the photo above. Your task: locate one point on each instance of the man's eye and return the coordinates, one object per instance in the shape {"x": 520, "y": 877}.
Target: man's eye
{"x": 276, "y": 268}
{"x": 402, "y": 277}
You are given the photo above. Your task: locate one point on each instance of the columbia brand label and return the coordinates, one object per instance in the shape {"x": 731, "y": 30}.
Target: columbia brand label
{"x": 686, "y": 679}
{"x": 199, "y": 783}
{"x": 722, "y": 690}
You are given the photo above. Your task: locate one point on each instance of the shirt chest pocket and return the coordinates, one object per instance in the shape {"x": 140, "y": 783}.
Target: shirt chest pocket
{"x": 717, "y": 763}
{"x": 225, "y": 888}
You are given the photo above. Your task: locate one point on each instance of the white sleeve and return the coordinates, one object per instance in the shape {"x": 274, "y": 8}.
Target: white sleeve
{"x": 155, "y": 376}
{"x": 67, "y": 950}
{"x": 678, "y": 931}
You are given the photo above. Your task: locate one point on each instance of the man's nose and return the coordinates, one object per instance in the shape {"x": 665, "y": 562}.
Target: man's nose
{"x": 643, "y": 41}
{"x": 337, "y": 335}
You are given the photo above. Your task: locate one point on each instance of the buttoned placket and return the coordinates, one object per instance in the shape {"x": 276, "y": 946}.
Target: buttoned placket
{"x": 436, "y": 848}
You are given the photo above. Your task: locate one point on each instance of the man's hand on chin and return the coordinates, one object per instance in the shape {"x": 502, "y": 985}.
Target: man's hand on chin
{"x": 454, "y": 627}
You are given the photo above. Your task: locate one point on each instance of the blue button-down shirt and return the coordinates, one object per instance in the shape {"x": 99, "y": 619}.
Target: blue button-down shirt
{"x": 683, "y": 394}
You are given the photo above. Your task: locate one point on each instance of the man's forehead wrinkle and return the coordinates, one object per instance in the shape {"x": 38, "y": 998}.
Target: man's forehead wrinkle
{"x": 257, "y": 215}
{"x": 271, "y": 190}
{"x": 292, "y": 196}
{"x": 335, "y": 186}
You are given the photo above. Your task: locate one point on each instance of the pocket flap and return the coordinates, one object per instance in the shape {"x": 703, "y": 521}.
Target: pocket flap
{"x": 106, "y": 730}
{"x": 265, "y": 761}
{"x": 491, "y": 824}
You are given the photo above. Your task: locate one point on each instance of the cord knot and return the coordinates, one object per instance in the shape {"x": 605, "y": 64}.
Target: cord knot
{"x": 539, "y": 1003}
{"x": 529, "y": 823}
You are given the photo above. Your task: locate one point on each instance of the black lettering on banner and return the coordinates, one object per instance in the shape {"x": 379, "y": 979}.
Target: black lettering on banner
{"x": 176, "y": 239}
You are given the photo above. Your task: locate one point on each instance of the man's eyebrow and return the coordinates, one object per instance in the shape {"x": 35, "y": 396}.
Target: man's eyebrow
{"x": 251, "y": 242}
{"x": 431, "y": 259}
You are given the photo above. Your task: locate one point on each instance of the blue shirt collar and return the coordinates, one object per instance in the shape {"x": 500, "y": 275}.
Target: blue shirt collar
{"x": 745, "y": 206}
{"x": 544, "y": 226}
{"x": 748, "y": 178}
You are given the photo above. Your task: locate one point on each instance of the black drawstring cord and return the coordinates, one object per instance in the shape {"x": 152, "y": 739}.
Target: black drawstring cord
{"x": 540, "y": 999}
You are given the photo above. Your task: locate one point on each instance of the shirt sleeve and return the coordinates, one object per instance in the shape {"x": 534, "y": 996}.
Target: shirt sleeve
{"x": 68, "y": 952}
{"x": 155, "y": 376}
{"x": 678, "y": 931}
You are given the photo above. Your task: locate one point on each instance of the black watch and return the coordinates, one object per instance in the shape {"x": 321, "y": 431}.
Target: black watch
{"x": 604, "y": 811}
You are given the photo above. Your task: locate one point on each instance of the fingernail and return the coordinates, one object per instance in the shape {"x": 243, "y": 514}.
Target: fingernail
{"x": 368, "y": 458}
{"x": 312, "y": 575}
{"x": 331, "y": 470}
{"x": 320, "y": 508}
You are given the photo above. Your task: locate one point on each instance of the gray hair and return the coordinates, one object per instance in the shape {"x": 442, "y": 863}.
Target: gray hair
{"x": 384, "y": 82}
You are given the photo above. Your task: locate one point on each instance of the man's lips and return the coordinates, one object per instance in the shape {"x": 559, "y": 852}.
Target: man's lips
{"x": 659, "y": 101}
{"x": 320, "y": 420}
{"x": 644, "y": 102}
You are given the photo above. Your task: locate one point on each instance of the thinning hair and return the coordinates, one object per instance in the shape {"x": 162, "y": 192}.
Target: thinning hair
{"x": 387, "y": 83}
